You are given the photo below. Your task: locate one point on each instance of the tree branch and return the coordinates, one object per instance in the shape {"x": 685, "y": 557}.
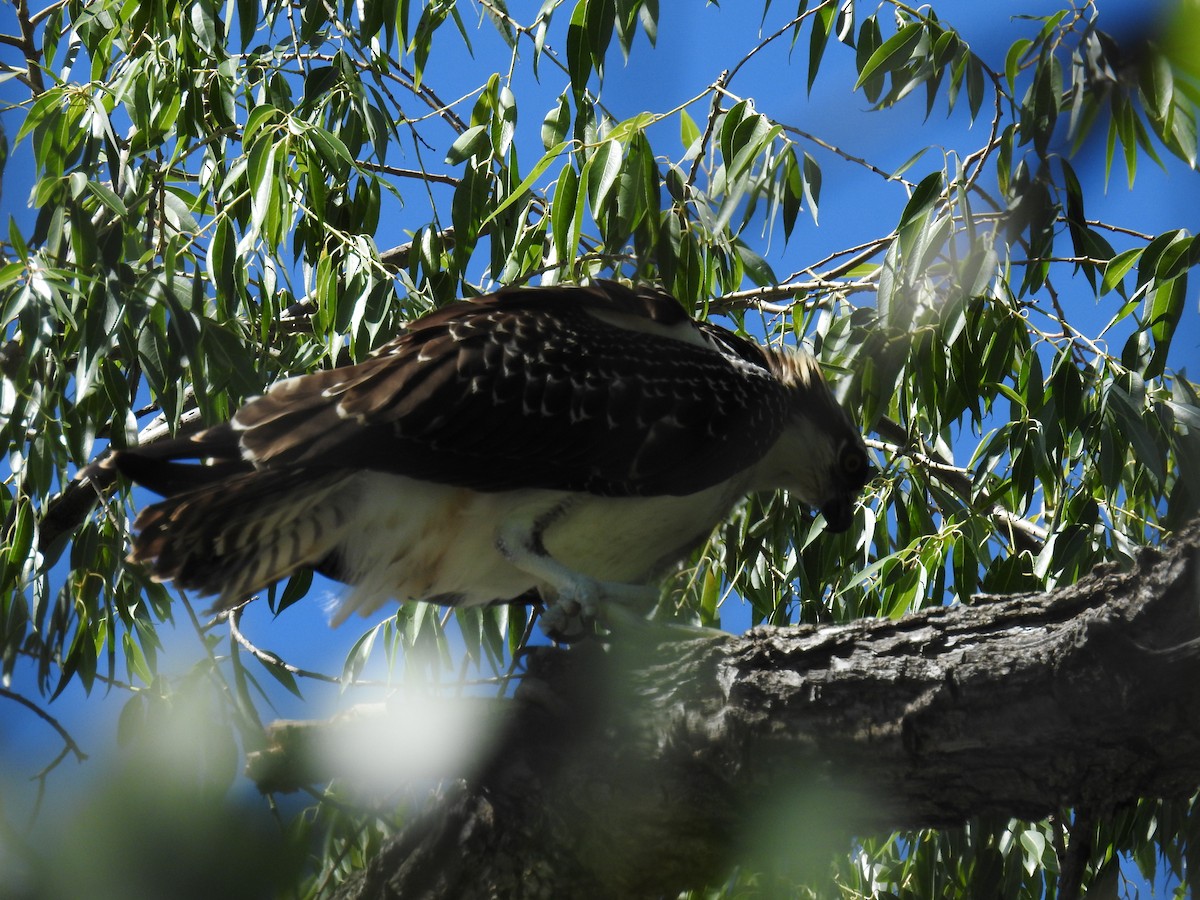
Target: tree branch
{"x": 641, "y": 769}
{"x": 30, "y": 49}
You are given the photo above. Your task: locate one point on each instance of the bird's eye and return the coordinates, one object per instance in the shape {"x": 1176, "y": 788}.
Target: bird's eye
{"x": 854, "y": 462}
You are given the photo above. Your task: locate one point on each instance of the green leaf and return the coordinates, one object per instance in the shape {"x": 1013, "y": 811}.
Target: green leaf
{"x": 521, "y": 189}
{"x": 360, "y": 653}
{"x": 604, "y": 167}
{"x": 275, "y": 668}
{"x": 556, "y": 123}
{"x": 48, "y": 103}
{"x": 792, "y": 190}
{"x": 579, "y": 58}
{"x": 729, "y": 128}
{"x": 472, "y": 197}
{"x": 475, "y": 141}
{"x": 895, "y": 52}
{"x": 1164, "y": 308}
{"x": 562, "y": 212}
{"x": 1118, "y": 267}
{"x": 431, "y": 19}
{"x": 1158, "y": 86}
{"x": 602, "y": 20}
{"x": 1034, "y": 844}
{"x": 131, "y": 722}
{"x": 822, "y": 26}
{"x": 108, "y": 197}
{"x": 333, "y": 151}
{"x": 20, "y": 538}
{"x": 135, "y": 660}
{"x": 205, "y": 29}
{"x": 295, "y": 590}
{"x": 709, "y": 600}
{"x": 870, "y": 39}
{"x": 976, "y": 82}
{"x": 630, "y": 128}
{"x": 1012, "y": 61}
{"x": 265, "y": 188}
{"x": 757, "y": 269}
{"x": 504, "y": 121}
{"x": 924, "y": 195}
{"x": 689, "y": 132}
{"x": 262, "y": 117}
{"x": 588, "y": 36}
{"x": 1132, "y": 427}
{"x": 812, "y": 185}
{"x": 1166, "y": 256}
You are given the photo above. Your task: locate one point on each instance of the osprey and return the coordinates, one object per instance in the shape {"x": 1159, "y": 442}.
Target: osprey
{"x": 576, "y": 442}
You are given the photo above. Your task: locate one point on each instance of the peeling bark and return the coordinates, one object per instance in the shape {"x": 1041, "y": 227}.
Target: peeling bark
{"x": 650, "y": 766}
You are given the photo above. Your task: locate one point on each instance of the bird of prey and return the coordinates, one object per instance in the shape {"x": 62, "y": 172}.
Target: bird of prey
{"x": 576, "y": 442}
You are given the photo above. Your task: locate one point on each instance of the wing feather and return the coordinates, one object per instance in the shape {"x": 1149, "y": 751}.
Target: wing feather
{"x": 603, "y": 389}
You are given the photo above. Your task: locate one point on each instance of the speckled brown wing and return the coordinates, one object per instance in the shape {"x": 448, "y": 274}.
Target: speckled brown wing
{"x": 604, "y": 389}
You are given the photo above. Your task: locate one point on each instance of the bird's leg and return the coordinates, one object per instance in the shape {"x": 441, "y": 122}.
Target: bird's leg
{"x": 576, "y": 596}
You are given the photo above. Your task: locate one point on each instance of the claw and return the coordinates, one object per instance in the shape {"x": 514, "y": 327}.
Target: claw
{"x": 584, "y": 602}
{"x": 562, "y": 628}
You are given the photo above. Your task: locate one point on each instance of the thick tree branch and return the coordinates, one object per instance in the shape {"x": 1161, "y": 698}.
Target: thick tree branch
{"x": 648, "y": 767}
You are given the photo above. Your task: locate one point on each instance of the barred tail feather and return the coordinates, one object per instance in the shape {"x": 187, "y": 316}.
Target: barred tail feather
{"x": 240, "y": 535}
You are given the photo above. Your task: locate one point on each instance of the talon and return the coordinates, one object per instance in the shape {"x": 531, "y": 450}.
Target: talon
{"x": 554, "y": 621}
{"x": 563, "y": 627}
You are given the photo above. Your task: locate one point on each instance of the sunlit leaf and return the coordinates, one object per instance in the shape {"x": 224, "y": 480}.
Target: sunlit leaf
{"x": 893, "y": 53}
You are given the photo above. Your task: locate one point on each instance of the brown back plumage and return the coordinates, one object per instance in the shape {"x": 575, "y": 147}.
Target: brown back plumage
{"x": 604, "y": 389}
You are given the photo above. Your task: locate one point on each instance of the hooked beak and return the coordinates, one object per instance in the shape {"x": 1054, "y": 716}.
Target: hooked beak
{"x": 839, "y": 513}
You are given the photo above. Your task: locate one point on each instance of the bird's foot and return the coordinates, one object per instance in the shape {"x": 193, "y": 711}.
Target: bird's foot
{"x": 583, "y": 605}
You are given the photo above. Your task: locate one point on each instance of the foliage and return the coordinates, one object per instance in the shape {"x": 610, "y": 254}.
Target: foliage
{"x": 210, "y": 182}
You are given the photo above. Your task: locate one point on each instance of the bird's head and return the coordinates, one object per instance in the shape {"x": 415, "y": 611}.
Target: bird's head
{"x": 822, "y": 463}
{"x": 820, "y": 457}
{"x": 847, "y": 476}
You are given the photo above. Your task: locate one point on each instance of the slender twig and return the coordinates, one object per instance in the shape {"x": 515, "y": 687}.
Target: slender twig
{"x": 69, "y": 744}
{"x": 817, "y": 281}
{"x": 410, "y": 173}
{"x": 1118, "y": 229}
{"x": 849, "y": 157}
{"x": 771, "y": 38}
{"x": 718, "y": 89}
{"x": 761, "y": 297}
{"x": 272, "y": 659}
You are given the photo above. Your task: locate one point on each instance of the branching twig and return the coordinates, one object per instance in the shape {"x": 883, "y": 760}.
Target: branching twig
{"x": 1024, "y": 534}
{"x": 267, "y": 657}
{"x": 69, "y": 744}
{"x": 45, "y": 12}
{"x": 980, "y": 156}
{"x": 30, "y": 50}
{"x": 718, "y": 90}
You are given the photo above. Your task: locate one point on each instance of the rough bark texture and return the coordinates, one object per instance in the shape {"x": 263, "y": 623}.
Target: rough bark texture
{"x": 647, "y": 767}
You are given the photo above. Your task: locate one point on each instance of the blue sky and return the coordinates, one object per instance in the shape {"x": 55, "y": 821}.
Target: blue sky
{"x": 694, "y": 44}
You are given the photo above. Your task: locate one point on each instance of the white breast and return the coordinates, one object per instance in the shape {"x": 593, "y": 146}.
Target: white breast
{"x": 414, "y": 540}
